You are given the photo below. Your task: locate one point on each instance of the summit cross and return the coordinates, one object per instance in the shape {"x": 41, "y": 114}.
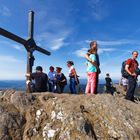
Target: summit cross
{"x": 28, "y": 43}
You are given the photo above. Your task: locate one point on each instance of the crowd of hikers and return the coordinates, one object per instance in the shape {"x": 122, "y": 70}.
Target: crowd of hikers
{"x": 55, "y": 81}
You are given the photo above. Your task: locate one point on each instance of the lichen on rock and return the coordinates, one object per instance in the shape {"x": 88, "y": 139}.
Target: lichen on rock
{"x": 48, "y": 116}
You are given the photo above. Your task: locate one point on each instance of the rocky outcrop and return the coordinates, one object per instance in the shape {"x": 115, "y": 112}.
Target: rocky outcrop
{"x": 47, "y": 116}
{"x": 11, "y": 120}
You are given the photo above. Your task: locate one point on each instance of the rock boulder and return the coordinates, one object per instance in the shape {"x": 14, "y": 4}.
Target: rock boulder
{"x": 48, "y": 116}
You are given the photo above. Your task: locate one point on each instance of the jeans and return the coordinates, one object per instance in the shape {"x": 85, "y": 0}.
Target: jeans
{"x": 72, "y": 85}
{"x": 91, "y": 83}
{"x": 62, "y": 89}
{"x": 58, "y": 88}
{"x": 131, "y": 88}
{"x": 51, "y": 86}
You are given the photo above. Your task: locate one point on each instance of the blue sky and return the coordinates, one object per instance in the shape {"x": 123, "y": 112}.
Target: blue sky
{"x": 65, "y": 28}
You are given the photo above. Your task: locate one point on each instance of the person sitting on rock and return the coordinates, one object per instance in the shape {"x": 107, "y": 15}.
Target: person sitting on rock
{"x": 40, "y": 79}
{"x": 51, "y": 76}
{"x": 59, "y": 81}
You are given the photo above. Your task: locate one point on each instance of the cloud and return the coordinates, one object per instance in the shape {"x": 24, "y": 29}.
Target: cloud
{"x": 57, "y": 44}
{"x": 10, "y": 59}
{"x": 6, "y": 43}
{"x": 116, "y": 42}
{"x": 54, "y": 41}
{"x": 81, "y": 52}
{"x": 102, "y": 50}
{"x": 16, "y": 75}
{"x": 17, "y": 47}
{"x": 10, "y": 72}
{"x": 55, "y": 24}
{"x": 54, "y": 32}
{"x": 5, "y": 11}
{"x": 100, "y": 9}
{"x": 108, "y": 46}
{"x": 11, "y": 68}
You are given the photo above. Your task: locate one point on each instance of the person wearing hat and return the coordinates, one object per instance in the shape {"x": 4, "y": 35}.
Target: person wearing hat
{"x": 73, "y": 77}
{"x": 60, "y": 81}
{"x": 51, "y": 76}
{"x": 40, "y": 79}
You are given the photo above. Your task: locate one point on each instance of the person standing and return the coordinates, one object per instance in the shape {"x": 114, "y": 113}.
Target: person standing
{"x": 73, "y": 77}
{"x": 108, "y": 84}
{"x": 40, "y": 79}
{"x": 92, "y": 73}
{"x": 124, "y": 83}
{"x": 93, "y": 45}
{"x": 131, "y": 65}
{"x": 59, "y": 81}
{"x": 51, "y": 76}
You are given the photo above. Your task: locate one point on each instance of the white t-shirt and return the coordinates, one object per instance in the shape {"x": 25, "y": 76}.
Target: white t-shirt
{"x": 70, "y": 70}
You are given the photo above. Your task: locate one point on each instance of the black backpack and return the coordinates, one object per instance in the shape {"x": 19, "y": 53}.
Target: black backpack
{"x": 123, "y": 71}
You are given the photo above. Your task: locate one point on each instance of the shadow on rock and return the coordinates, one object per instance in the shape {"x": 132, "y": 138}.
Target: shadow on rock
{"x": 88, "y": 128}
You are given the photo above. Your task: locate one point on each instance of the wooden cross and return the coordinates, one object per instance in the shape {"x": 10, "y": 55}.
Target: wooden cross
{"x": 29, "y": 45}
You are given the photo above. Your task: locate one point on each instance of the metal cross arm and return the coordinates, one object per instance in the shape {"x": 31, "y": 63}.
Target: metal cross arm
{"x": 28, "y": 43}
{"x": 12, "y": 37}
{"x": 42, "y": 50}
{"x": 32, "y": 47}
